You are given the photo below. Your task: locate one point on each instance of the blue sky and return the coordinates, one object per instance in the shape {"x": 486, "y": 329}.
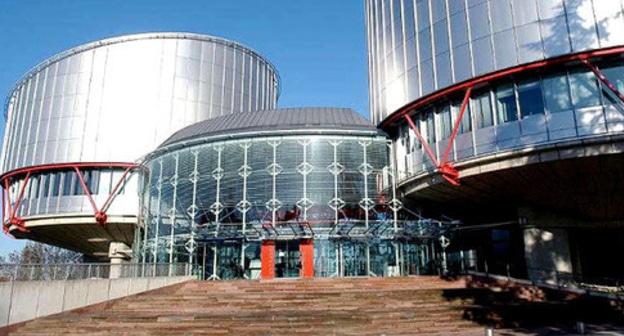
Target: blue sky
{"x": 318, "y": 46}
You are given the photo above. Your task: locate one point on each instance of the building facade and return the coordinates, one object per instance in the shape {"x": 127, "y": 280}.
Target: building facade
{"x": 509, "y": 115}
{"x": 73, "y": 138}
{"x": 280, "y": 193}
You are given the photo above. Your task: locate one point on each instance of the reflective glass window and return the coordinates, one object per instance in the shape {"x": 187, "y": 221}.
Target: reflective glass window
{"x": 482, "y": 107}
{"x": 465, "y": 125}
{"x": 506, "y": 104}
{"x": 56, "y": 184}
{"x": 530, "y": 98}
{"x": 438, "y": 10}
{"x": 615, "y": 75}
{"x": 584, "y": 89}
{"x": 556, "y": 93}
{"x": 444, "y": 118}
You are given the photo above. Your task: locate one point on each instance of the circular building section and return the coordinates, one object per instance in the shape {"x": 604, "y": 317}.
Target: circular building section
{"x": 78, "y": 121}
{"x": 509, "y": 115}
{"x": 276, "y": 193}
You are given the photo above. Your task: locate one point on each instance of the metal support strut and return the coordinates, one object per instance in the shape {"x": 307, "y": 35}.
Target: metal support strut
{"x": 444, "y": 167}
{"x": 12, "y": 208}
{"x": 602, "y": 77}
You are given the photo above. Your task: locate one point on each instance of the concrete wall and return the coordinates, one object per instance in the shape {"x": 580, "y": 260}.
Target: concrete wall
{"x": 25, "y": 300}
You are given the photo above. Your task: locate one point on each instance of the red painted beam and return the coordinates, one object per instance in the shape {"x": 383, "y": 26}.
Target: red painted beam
{"x": 306, "y": 249}
{"x": 267, "y": 259}
{"x": 99, "y": 213}
{"x": 66, "y": 166}
{"x": 603, "y": 78}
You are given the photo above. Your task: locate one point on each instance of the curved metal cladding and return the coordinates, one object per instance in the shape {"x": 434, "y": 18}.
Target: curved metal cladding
{"x": 243, "y": 178}
{"x": 533, "y": 67}
{"x": 115, "y": 100}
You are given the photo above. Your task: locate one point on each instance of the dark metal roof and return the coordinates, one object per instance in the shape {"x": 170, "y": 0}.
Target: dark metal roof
{"x": 286, "y": 119}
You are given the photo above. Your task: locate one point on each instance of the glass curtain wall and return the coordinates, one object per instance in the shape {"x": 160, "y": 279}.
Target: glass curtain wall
{"x": 547, "y": 107}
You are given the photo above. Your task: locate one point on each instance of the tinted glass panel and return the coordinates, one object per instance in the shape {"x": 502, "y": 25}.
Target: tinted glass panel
{"x": 556, "y": 93}
{"x": 506, "y": 104}
{"x": 483, "y": 110}
{"x": 584, "y": 89}
{"x": 530, "y": 98}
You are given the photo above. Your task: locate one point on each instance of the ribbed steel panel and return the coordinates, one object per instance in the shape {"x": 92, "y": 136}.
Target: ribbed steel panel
{"x": 417, "y": 47}
{"x": 117, "y": 99}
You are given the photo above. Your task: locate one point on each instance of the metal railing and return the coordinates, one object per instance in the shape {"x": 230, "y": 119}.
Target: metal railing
{"x": 562, "y": 280}
{"x": 79, "y": 271}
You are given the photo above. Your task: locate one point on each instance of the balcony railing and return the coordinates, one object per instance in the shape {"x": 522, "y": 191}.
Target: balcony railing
{"x": 79, "y": 271}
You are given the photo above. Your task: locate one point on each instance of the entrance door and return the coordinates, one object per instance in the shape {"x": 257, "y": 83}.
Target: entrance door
{"x": 287, "y": 259}
{"x": 221, "y": 261}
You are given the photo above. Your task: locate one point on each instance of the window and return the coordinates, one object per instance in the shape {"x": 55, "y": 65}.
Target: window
{"x": 465, "y": 125}
{"x": 616, "y": 76}
{"x": 556, "y": 93}
{"x": 584, "y": 89}
{"x": 56, "y": 184}
{"x": 530, "y": 98}
{"x": 45, "y": 185}
{"x": 68, "y": 183}
{"x": 444, "y": 117}
{"x": 483, "y": 110}
{"x": 506, "y": 104}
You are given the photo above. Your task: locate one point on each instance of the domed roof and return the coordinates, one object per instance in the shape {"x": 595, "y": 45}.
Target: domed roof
{"x": 305, "y": 120}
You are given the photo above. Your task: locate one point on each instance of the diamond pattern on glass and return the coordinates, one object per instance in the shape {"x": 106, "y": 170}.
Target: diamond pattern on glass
{"x": 190, "y": 245}
{"x": 395, "y": 204}
{"x": 305, "y": 168}
{"x": 244, "y": 170}
{"x": 365, "y": 169}
{"x": 366, "y": 203}
{"x": 194, "y": 177}
{"x": 273, "y": 204}
{"x": 336, "y": 203}
{"x": 274, "y": 169}
{"x": 171, "y": 213}
{"x": 243, "y": 206}
{"x": 305, "y": 203}
{"x": 216, "y": 208}
{"x": 192, "y": 210}
{"x": 173, "y": 180}
{"x": 217, "y": 173}
{"x": 336, "y": 168}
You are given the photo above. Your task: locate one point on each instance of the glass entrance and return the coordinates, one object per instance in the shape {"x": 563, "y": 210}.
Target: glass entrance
{"x": 354, "y": 258}
{"x": 221, "y": 261}
{"x": 287, "y": 259}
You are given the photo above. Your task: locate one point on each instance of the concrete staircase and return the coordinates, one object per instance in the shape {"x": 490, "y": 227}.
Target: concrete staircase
{"x": 351, "y": 306}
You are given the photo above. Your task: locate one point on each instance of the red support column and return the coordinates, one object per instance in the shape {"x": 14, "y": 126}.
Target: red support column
{"x": 306, "y": 249}
{"x": 267, "y": 258}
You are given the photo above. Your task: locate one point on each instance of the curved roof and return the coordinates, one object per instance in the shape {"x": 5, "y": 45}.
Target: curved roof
{"x": 134, "y": 37}
{"x": 320, "y": 119}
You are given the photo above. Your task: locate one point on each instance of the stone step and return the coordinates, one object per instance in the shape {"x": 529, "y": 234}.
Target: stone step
{"x": 356, "y": 306}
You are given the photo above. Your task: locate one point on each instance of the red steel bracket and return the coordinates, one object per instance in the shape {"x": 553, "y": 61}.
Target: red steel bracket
{"x": 99, "y": 213}
{"x": 444, "y": 167}
{"x": 601, "y": 76}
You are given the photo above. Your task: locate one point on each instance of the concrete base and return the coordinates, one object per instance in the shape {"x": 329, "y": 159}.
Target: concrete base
{"x": 25, "y": 300}
{"x": 547, "y": 246}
